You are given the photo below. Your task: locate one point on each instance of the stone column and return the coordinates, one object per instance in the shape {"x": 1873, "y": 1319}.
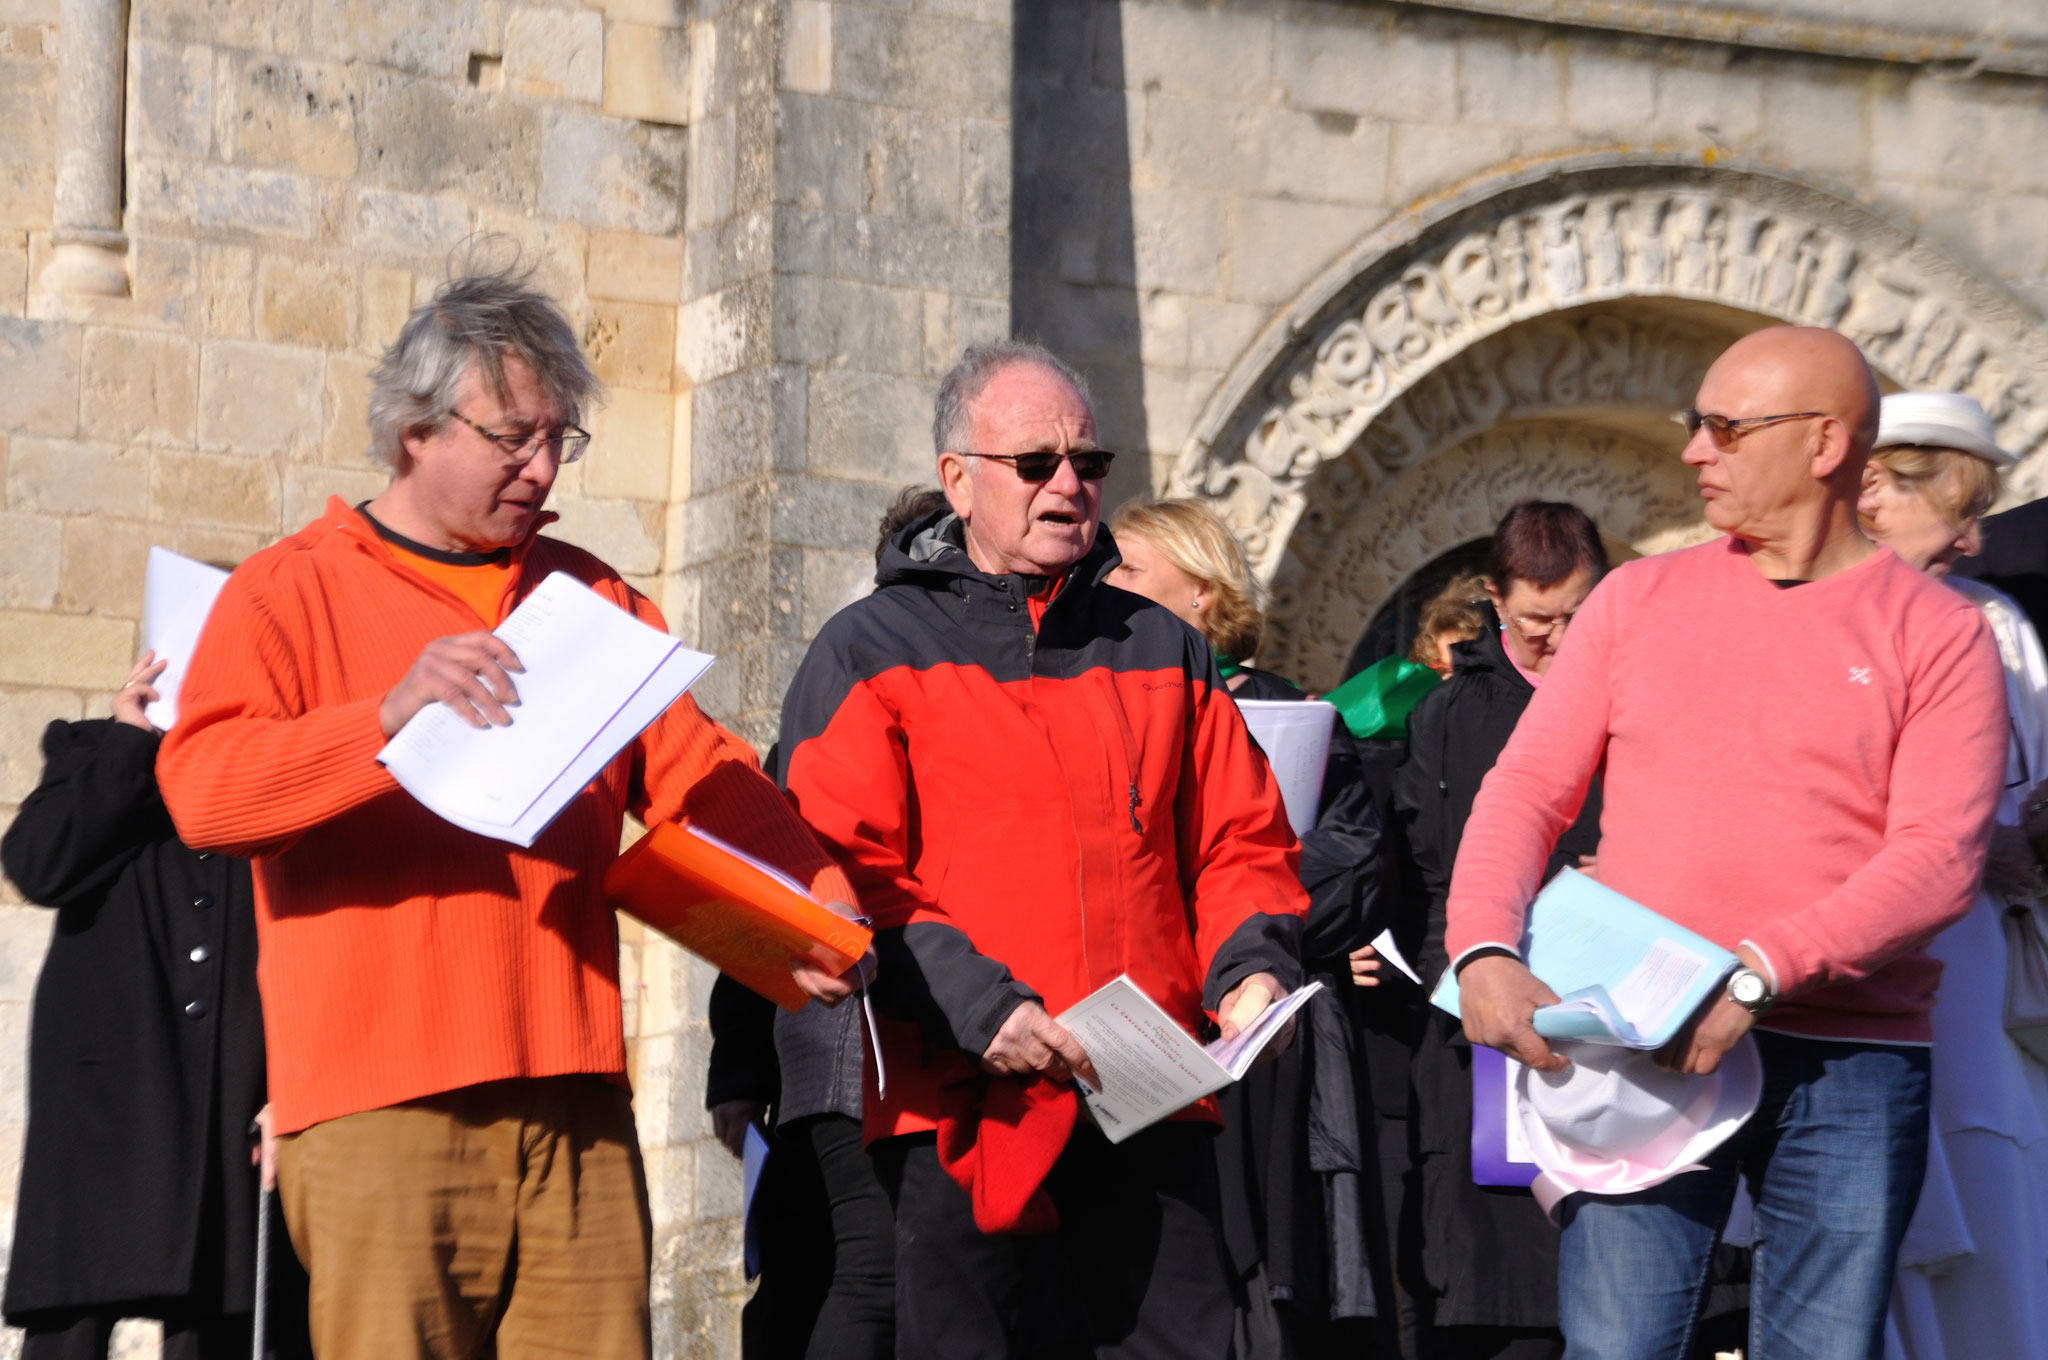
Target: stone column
{"x": 90, "y": 254}
{"x": 847, "y": 233}
{"x": 846, "y": 230}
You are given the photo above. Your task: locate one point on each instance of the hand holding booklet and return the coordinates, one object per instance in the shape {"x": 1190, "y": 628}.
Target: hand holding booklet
{"x": 594, "y": 677}
{"x": 1623, "y": 974}
{"x": 740, "y": 913}
{"x": 1149, "y": 1065}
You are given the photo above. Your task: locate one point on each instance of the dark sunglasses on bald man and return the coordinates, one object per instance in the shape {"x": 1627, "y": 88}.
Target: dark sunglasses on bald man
{"x": 1725, "y": 430}
{"x": 1090, "y": 465}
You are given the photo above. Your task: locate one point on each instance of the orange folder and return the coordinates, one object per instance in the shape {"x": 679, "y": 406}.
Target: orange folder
{"x": 731, "y": 910}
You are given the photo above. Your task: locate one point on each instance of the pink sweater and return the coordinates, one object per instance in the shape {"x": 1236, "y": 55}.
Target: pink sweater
{"x": 1810, "y": 771}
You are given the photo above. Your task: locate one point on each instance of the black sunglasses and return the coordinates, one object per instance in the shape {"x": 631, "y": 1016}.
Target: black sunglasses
{"x": 1090, "y": 465}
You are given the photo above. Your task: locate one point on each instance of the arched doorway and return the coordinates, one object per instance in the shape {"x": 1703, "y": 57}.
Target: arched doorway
{"x": 1532, "y": 337}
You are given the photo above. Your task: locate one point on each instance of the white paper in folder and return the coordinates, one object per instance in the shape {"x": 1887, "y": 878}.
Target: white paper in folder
{"x": 1296, "y": 739}
{"x": 177, "y": 595}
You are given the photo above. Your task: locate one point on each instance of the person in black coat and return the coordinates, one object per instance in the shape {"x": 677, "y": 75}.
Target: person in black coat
{"x": 138, "y": 1197}
{"x": 1298, "y": 1166}
{"x": 1489, "y": 1257}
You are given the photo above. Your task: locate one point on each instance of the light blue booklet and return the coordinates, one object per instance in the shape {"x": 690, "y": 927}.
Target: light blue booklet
{"x": 1624, "y": 974}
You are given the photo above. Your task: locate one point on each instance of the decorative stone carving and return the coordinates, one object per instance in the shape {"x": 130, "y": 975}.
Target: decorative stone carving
{"x": 1554, "y": 367}
{"x": 1638, "y": 492}
{"x": 1412, "y": 299}
{"x": 1540, "y": 294}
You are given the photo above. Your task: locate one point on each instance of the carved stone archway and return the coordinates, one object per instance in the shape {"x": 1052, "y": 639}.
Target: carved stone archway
{"x": 1586, "y": 296}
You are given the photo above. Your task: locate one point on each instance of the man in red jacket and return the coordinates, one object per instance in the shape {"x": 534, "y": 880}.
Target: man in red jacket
{"x": 1036, "y": 783}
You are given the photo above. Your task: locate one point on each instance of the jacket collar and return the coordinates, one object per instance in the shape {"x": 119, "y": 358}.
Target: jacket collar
{"x": 932, "y": 552}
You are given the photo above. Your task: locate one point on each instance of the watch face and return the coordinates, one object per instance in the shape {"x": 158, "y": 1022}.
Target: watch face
{"x": 1746, "y": 988}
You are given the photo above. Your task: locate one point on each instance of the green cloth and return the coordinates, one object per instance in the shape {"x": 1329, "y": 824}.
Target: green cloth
{"x": 1376, "y": 702}
{"x": 1225, "y": 666}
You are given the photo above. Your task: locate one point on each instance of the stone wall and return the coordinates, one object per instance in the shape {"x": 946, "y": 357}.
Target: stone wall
{"x": 296, "y": 178}
{"x": 847, "y": 234}
{"x": 1260, "y": 141}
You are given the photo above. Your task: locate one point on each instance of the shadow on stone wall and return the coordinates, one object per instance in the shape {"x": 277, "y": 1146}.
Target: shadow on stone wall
{"x": 1073, "y": 281}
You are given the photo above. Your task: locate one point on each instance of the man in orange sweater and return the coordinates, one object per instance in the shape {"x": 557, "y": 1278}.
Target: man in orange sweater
{"x": 456, "y": 1153}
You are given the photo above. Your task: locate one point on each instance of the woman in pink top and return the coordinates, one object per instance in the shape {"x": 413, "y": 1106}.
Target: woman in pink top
{"x": 1973, "y": 1270}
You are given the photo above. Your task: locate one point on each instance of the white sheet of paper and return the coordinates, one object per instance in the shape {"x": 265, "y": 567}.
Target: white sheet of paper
{"x": 1657, "y": 984}
{"x": 1383, "y": 945}
{"x": 594, "y": 678}
{"x": 1518, "y": 1133}
{"x": 1295, "y": 736}
{"x": 1150, "y": 1066}
{"x": 177, "y": 595}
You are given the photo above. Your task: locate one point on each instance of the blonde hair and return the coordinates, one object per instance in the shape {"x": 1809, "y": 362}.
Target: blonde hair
{"x": 1188, "y": 534}
{"x": 1960, "y": 485}
{"x": 1453, "y": 610}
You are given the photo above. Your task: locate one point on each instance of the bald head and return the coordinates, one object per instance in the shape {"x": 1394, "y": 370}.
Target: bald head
{"x": 1800, "y": 368}
{"x": 1803, "y": 404}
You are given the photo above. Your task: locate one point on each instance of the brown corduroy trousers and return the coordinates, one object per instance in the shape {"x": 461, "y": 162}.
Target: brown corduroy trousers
{"x": 508, "y": 1219}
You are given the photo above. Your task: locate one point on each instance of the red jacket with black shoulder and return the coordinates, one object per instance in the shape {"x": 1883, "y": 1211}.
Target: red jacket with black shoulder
{"x": 1029, "y": 811}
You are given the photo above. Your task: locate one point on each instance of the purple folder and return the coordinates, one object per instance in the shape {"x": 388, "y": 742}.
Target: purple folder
{"x": 1490, "y": 1113}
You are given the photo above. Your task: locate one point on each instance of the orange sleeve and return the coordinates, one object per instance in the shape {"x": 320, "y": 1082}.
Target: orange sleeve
{"x": 690, "y": 769}
{"x": 248, "y": 769}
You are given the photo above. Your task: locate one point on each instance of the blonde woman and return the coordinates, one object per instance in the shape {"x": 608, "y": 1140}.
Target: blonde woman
{"x": 1973, "y": 1270}
{"x": 1306, "y": 1242}
{"x": 1180, "y": 555}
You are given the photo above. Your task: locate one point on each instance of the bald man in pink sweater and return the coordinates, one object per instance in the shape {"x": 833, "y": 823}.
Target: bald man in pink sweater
{"x": 1801, "y": 741}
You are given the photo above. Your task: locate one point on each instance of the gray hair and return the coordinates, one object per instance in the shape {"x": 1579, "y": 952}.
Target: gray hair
{"x": 473, "y": 319}
{"x": 965, "y": 380}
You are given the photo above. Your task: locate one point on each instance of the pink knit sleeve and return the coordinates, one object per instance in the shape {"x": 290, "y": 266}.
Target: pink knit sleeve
{"x": 1946, "y": 774}
{"x": 1534, "y": 791}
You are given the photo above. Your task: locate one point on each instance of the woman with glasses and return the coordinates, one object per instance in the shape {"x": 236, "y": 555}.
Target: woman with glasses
{"x": 1488, "y": 1255}
{"x": 1302, "y": 1220}
{"x": 1973, "y": 1270}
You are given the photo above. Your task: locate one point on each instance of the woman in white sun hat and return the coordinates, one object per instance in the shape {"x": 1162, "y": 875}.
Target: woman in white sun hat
{"x": 1973, "y": 1270}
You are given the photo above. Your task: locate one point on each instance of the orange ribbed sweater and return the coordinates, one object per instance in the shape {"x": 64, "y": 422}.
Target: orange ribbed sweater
{"x": 402, "y": 956}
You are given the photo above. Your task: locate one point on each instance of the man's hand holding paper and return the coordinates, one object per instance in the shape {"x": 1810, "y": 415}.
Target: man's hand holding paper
{"x": 1031, "y": 1041}
{"x": 1497, "y": 998}
{"x": 469, "y": 672}
{"x": 1715, "y": 1028}
{"x": 1245, "y": 1003}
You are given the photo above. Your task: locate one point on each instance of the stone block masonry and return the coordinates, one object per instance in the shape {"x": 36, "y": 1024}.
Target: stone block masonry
{"x": 296, "y": 178}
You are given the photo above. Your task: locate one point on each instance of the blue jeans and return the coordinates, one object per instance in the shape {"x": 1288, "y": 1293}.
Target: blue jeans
{"x": 1833, "y": 1159}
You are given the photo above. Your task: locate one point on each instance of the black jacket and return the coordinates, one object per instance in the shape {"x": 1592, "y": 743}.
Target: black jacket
{"x": 1488, "y": 1256}
{"x": 1455, "y": 735}
{"x": 1297, "y": 1165}
{"x": 145, "y": 1048}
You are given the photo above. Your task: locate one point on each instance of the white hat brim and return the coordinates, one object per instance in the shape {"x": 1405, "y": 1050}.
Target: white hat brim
{"x": 1737, "y": 1090}
{"x": 1941, "y": 435}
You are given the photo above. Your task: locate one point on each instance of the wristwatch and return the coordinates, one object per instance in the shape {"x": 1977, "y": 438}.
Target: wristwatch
{"x": 1750, "y": 990}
